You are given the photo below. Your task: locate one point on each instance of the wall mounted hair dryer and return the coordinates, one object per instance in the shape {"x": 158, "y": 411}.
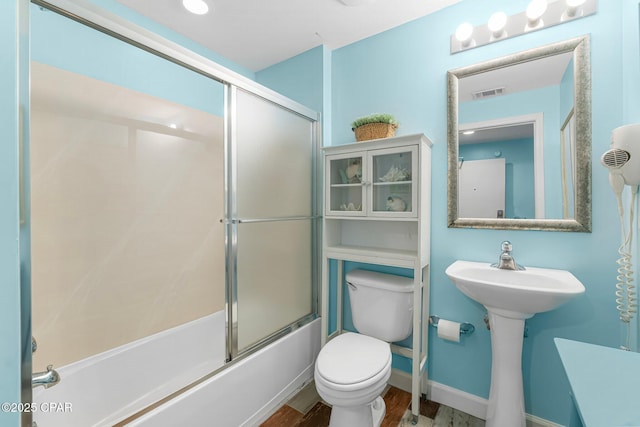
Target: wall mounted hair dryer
{"x": 625, "y": 141}
{"x": 623, "y": 162}
{"x": 623, "y": 158}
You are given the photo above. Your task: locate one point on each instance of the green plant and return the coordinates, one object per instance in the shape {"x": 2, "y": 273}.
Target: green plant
{"x": 374, "y": 118}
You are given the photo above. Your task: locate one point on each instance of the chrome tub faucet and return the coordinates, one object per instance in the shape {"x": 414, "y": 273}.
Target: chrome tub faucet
{"x": 47, "y": 379}
{"x": 506, "y": 261}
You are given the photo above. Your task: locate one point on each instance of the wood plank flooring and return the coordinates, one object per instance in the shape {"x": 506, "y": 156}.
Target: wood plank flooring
{"x": 307, "y": 410}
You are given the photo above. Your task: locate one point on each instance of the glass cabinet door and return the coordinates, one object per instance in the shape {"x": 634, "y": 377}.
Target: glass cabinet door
{"x": 344, "y": 184}
{"x": 394, "y": 178}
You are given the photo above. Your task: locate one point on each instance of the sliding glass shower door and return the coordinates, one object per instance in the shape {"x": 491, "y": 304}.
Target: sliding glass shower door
{"x": 166, "y": 195}
{"x": 272, "y": 165}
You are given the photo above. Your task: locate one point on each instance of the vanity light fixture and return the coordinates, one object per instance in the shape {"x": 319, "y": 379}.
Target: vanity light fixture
{"x": 197, "y": 7}
{"x": 539, "y": 14}
{"x": 497, "y": 24}
{"x": 535, "y": 11}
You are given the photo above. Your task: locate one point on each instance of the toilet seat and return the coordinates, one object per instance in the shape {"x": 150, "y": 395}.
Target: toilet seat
{"x": 352, "y": 361}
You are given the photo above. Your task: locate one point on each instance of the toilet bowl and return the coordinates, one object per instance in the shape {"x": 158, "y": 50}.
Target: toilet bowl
{"x": 351, "y": 372}
{"x": 353, "y": 368}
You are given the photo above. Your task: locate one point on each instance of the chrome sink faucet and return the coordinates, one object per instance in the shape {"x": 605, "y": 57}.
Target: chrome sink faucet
{"x": 506, "y": 261}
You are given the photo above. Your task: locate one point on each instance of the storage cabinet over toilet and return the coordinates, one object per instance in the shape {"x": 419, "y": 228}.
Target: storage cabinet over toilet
{"x": 377, "y": 210}
{"x": 378, "y": 182}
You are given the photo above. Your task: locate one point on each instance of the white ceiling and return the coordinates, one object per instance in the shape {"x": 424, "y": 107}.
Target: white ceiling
{"x": 259, "y": 33}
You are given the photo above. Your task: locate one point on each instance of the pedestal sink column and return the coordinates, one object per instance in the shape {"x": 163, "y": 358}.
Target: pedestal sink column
{"x": 506, "y": 396}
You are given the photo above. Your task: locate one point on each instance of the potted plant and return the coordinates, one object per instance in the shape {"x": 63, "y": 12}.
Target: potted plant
{"x": 374, "y": 126}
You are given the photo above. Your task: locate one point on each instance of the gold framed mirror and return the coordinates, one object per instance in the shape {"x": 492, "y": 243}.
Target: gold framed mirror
{"x": 516, "y": 107}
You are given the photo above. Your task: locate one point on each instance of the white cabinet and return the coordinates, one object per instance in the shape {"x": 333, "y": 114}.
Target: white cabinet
{"x": 378, "y": 211}
{"x": 377, "y": 183}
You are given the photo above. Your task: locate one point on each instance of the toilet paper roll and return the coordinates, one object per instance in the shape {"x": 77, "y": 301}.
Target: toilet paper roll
{"x": 449, "y": 330}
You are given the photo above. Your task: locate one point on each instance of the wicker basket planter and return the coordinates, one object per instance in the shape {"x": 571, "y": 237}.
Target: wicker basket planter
{"x": 375, "y": 131}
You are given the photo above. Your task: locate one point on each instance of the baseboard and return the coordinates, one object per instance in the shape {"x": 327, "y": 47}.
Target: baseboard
{"x": 457, "y": 399}
{"x": 401, "y": 379}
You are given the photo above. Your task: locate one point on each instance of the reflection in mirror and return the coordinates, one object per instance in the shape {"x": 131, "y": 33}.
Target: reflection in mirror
{"x": 567, "y": 155}
{"x": 520, "y": 140}
{"x": 506, "y": 177}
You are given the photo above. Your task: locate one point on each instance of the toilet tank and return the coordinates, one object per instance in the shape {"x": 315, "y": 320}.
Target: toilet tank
{"x": 381, "y": 304}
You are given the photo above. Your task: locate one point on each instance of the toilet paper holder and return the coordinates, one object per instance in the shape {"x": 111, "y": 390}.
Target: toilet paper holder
{"x": 465, "y": 328}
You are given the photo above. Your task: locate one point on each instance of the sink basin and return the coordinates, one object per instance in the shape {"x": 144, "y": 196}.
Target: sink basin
{"x": 519, "y": 294}
{"x": 510, "y": 297}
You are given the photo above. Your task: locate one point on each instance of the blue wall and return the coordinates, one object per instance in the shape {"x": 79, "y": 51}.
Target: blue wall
{"x": 411, "y": 84}
{"x": 66, "y": 44}
{"x": 299, "y": 78}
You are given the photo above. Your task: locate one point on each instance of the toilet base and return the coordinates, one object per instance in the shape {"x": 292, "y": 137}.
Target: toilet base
{"x": 370, "y": 415}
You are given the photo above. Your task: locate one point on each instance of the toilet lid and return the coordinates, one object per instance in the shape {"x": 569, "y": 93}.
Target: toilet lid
{"x": 352, "y": 358}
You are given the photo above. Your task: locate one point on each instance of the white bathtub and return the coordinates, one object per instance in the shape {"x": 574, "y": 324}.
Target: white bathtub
{"x": 248, "y": 392}
{"x": 104, "y": 389}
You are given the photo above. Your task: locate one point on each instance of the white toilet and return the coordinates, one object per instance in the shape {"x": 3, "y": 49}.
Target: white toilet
{"x": 353, "y": 369}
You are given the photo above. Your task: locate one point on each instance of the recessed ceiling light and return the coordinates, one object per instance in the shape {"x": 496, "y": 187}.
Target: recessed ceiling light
{"x": 468, "y": 132}
{"x": 199, "y": 7}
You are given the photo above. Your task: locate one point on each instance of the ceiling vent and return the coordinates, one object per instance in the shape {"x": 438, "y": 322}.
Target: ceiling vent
{"x": 488, "y": 93}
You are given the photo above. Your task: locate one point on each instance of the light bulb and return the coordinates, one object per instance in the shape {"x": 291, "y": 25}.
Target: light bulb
{"x": 496, "y": 24}
{"x": 464, "y": 33}
{"x": 198, "y": 7}
{"x": 573, "y": 9}
{"x": 535, "y": 10}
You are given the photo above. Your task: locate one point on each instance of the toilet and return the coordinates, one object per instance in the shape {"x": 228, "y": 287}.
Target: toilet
{"x": 352, "y": 369}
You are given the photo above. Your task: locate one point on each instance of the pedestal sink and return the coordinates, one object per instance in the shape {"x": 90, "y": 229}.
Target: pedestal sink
{"x": 510, "y": 297}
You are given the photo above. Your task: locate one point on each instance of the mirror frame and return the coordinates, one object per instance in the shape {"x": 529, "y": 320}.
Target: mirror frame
{"x": 582, "y": 110}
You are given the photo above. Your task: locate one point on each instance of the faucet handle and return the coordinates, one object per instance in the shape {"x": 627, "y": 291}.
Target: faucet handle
{"x": 506, "y": 246}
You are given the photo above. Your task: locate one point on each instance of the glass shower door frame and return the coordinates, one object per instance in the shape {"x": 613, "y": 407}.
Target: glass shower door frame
{"x": 115, "y": 26}
{"x": 233, "y": 221}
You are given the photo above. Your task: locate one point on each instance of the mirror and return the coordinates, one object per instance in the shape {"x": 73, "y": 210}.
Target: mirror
{"x": 519, "y": 140}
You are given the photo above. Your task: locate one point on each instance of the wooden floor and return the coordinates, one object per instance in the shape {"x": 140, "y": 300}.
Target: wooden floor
{"x": 307, "y": 410}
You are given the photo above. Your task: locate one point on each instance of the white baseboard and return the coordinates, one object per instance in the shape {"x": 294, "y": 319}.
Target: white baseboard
{"x": 457, "y": 399}
{"x": 400, "y": 379}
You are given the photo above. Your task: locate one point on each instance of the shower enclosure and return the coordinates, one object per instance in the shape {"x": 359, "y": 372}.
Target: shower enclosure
{"x": 172, "y": 211}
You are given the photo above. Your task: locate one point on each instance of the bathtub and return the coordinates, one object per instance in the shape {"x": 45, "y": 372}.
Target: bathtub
{"x": 107, "y": 388}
